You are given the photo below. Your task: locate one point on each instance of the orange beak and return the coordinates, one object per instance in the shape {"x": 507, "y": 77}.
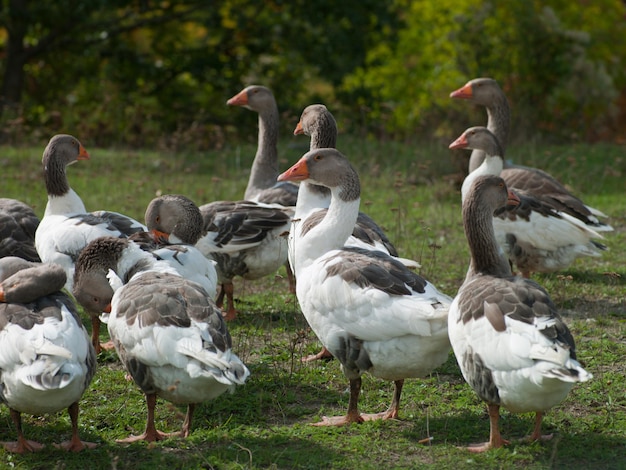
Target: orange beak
{"x": 298, "y": 130}
{"x": 464, "y": 93}
{"x": 107, "y": 309}
{"x": 2, "y": 298}
{"x": 82, "y": 153}
{"x": 459, "y": 143}
{"x": 512, "y": 199}
{"x": 298, "y": 172}
{"x": 240, "y": 99}
{"x": 160, "y": 237}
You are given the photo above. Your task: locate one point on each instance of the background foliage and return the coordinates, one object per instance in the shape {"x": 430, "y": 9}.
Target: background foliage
{"x": 148, "y": 73}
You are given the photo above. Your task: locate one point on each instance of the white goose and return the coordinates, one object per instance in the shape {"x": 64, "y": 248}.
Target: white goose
{"x": 487, "y": 92}
{"x": 534, "y": 235}
{"x": 509, "y": 340}
{"x": 371, "y": 312}
{"x": 67, "y": 227}
{"x": 167, "y": 331}
{"x": 46, "y": 358}
{"x": 262, "y": 184}
{"x": 18, "y": 223}
{"x": 318, "y": 122}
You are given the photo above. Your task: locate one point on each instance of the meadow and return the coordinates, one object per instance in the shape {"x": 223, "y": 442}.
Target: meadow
{"x": 412, "y": 190}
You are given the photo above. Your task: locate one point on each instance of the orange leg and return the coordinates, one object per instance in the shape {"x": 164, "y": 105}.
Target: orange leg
{"x": 323, "y": 354}
{"x": 188, "y": 418}
{"x": 22, "y": 445}
{"x": 353, "y": 415}
{"x": 75, "y": 444}
{"x": 95, "y": 336}
{"x": 291, "y": 278}
{"x": 231, "y": 313}
{"x": 150, "y": 434}
{"x": 495, "y": 439}
{"x": 536, "y": 435}
{"x": 392, "y": 412}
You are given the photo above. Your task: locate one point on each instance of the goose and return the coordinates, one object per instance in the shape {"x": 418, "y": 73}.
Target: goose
{"x": 262, "y": 184}
{"x": 368, "y": 309}
{"x": 534, "y": 235}
{"x": 317, "y": 122}
{"x": 47, "y": 360}
{"x": 175, "y": 223}
{"x": 511, "y": 345}
{"x": 246, "y": 239}
{"x": 486, "y": 92}
{"x": 66, "y": 226}
{"x": 18, "y": 223}
{"x": 167, "y": 331}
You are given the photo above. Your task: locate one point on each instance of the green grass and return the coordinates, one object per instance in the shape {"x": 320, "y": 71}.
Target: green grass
{"x": 411, "y": 191}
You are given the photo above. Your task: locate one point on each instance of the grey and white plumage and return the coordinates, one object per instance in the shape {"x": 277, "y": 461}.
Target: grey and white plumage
{"x": 534, "y": 235}
{"x": 370, "y": 311}
{"x": 510, "y": 342}
{"x": 167, "y": 331}
{"x": 47, "y": 360}
{"x": 486, "y": 92}
{"x": 18, "y": 223}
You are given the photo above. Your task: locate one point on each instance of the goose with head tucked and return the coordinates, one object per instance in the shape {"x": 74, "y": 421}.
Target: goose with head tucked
{"x": 67, "y": 227}
{"x": 534, "y": 235}
{"x": 262, "y": 184}
{"x": 167, "y": 331}
{"x": 486, "y": 92}
{"x": 47, "y": 360}
{"x": 18, "y": 223}
{"x": 368, "y": 309}
{"x": 512, "y": 346}
{"x": 318, "y": 122}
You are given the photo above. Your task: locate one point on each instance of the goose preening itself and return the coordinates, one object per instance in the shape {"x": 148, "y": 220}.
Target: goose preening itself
{"x": 47, "y": 360}
{"x": 262, "y": 184}
{"x": 18, "y": 223}
{"x": 486, "y": 92}
{"x": 534, "y": 235}
{"x": 319, "y": 124}
{"x": 67, "y": 227}
{"x": 368, "y": 309}
{"x": 512, "y": 346}
{"x": 246, "y": 239}
{"x": 167, "y": 331}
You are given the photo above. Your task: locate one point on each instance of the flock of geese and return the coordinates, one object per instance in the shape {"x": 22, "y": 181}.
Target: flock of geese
{"x": 160, "y": 285}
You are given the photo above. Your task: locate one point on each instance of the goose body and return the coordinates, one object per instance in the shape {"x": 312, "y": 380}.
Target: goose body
{"x": 245, "y": 239}
{"x": 66, "y": 226}
{"x": 47, "y": 360}
{"x": 486, "y": 92}
{"x": 371, "y": 312}
{"x": 167, "y": 331}
{"x": 262, "y": 185}
{"x": 534, "y": 235}
{"x": 18, "y": 223}
{"x": 512, "y": 346}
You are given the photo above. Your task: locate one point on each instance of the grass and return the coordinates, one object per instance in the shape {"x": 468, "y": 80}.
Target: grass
{"x": 411, "y": 191}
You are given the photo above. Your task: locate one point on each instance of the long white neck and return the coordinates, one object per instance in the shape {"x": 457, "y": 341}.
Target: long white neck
{"x": 491, "y": 165}
{"x": 69, "y": 203}
{"x": 330, "y": 234}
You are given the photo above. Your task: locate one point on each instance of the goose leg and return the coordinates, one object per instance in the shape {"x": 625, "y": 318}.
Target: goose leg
{"x": 150, "y": 434}
{"x": 231, "y": 313}
{"x": 95, "y": 336}
{"x": 75, "y": 444}
{"x": 495, "y": 439}
{"x": 323, "y": 354}
{"x": 353, "y": 415}
{"x": 187, "y": 423}
{"x": 392, "y": 412}
{"x": 291, "y": 278}
{"x": 22, "y": 445}
{"x": 536, "y": 435}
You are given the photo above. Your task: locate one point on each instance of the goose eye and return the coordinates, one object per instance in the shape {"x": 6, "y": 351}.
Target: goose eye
{"x": 96, "y": 300}
{"x": 318, "y": 157}
{"x": 157, "y": 219}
